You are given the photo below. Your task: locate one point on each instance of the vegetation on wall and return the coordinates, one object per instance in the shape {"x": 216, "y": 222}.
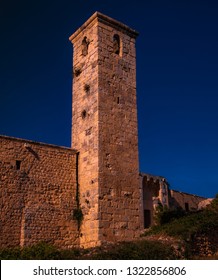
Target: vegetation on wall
{"x": 181, "y": 224}
{"x": 192, "y": 229}
{"x": 77, "y": 213}
{"x": 199, "y": 230}
{"x": 165, "y": 215}
{"x": 140, "y": 250}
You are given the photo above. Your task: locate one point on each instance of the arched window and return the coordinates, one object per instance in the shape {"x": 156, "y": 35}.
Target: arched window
{"x": 116, "y": 44}
{"x": 85, "y": 45}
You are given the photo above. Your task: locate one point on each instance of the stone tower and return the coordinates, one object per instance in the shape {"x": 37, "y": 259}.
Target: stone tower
{"x": 104, "y": 130}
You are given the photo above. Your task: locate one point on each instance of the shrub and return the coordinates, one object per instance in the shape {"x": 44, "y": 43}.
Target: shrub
{"x": 191, "y": 227}
{"x": 40, "y": 251}
{"x": 140, "y": 250}
{"x": 10, "y": 254}
{"x": 165, "y": 215}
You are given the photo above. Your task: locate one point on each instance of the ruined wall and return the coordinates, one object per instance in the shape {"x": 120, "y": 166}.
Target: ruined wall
{"x": 150, "y": 191}
{"x": 155, "y": 192}
{"x": 186, "y": 201}
{"x": 37, "y": 194}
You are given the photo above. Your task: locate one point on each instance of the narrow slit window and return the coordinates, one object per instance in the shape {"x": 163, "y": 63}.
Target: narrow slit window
{"x": 18, "y": 164}
{"x": 85, "y": 45}
{"x": 116, "y": 44}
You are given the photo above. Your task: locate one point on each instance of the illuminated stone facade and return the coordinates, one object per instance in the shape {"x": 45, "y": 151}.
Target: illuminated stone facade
{"x": 91, "y": 193}
{"x": 43, "y": 186}
{"x": 105, "y": 129}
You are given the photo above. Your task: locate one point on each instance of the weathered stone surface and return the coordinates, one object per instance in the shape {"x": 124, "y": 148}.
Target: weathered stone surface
{"x": 94, "y": 194}
{"x": 186, "y": 201}
{"x": 37, "y": 194}
{"x": 106, "y": 135}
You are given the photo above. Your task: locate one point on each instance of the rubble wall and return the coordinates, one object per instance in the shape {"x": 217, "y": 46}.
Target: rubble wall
{"x": 37, "y": 194}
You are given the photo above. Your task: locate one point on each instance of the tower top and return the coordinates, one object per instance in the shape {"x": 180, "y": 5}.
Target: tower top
{"x": 99, "y": 17}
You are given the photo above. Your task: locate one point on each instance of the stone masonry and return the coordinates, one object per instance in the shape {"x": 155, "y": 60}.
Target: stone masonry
{"x": 186, "y": 201}
{"x": 104, "y": 129}
{"x": 37, "y": 194}
{"x": 91, "y": 193}
{"x": 156, "y": 192}
{"x": 43, "y": 186}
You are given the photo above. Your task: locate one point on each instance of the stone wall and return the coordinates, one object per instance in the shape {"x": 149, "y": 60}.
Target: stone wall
{"x": 150, "y": 190}
{"x": 155, "y": 193}
{"x": 186, "y": 201}
{"x": 42, "y": 185}
{"x": 37, "y": 194}
{"x": 85, "y": 126}
{"x": 105, "y": 129}
{"x": 120, "y": 197}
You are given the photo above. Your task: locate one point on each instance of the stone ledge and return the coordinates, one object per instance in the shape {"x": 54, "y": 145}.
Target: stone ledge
{"x": 106, "y": 20}
{"x": 38, "y": 143}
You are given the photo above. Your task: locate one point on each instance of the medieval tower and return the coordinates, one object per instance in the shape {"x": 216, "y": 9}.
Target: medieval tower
{"x": 104, "y": 129}
{"x": 90, "y": 193}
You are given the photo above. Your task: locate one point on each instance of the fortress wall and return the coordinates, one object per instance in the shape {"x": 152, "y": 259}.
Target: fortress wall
{"x": 85, "y": 128}
{"x": 37, "y": 194}
{"x": 105, "y": 130}
{"x": 119, "y": 185}
{"x": 186, "y": 201}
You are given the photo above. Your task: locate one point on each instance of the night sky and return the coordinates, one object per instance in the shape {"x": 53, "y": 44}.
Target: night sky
{"x": 177, "y": 80}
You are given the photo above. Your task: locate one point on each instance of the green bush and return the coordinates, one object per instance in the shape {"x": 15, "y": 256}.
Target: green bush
{"x": 186, "y": 226}
{"x": 41, "y": 251}
{"x": 192, "y": 225}
{"x": 78, "y": 215}
{"x": 165, "y": 215}
{"x": 140, "y": 250}
{"x": 10, "y": 254}
{"x": 178, "y": 223}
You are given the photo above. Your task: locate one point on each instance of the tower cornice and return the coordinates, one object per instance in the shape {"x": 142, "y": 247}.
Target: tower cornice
{"x": 97, "y": 16}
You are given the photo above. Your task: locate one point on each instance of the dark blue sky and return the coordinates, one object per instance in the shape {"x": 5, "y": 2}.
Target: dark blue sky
{"x": 177, "y": 80}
